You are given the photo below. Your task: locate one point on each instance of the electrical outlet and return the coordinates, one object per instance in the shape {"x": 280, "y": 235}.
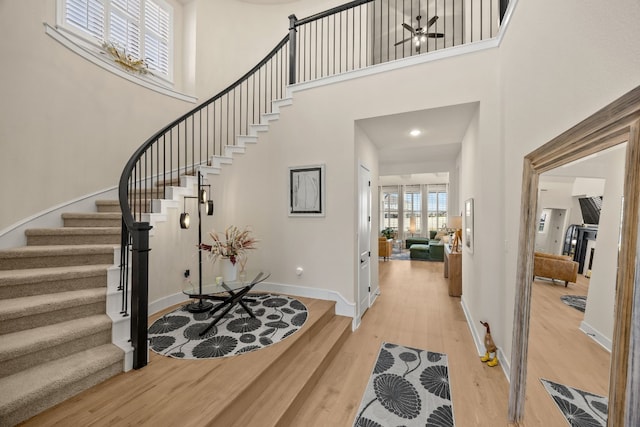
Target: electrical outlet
{"x": 187, "y": 273}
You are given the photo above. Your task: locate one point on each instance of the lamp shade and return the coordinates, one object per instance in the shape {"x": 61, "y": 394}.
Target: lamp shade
{"x": 412, "y": 224}
{"x": 184, "y": 220}
{"x": 456, "y": 222}
{"x": 208, "y": 207}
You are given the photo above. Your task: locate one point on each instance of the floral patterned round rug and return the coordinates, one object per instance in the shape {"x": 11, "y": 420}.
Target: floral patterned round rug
{"x": 177, "y": 334}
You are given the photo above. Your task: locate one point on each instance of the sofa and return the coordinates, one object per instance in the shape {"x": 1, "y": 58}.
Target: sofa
{"x": 420, "y": 240}
{"x": 385, "y": 247}
{"x": 560, "y": 267}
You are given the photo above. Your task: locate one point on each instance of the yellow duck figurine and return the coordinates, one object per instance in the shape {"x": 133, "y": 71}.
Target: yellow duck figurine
{"x": 490, "y": 347}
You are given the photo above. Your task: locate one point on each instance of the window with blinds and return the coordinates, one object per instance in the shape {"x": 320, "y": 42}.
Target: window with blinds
{"x": 143, "y": 28}
{"x": 412, "y": 209}
{"x": 437, "y": 205}
{"x": 389, "y": 201}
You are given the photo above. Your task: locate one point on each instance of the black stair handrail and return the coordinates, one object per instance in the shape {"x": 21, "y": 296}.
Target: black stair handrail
{"x": 137, "y": 176}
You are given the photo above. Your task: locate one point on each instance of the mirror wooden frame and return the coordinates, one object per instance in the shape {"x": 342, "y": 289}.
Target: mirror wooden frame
{"x": 616, "y": 123}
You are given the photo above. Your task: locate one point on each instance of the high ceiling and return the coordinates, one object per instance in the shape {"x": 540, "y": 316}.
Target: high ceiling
{"x": 442, "y": 130}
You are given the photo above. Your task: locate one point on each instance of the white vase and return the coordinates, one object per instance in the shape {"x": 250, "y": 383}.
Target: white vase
{"x": 229, "y": 270}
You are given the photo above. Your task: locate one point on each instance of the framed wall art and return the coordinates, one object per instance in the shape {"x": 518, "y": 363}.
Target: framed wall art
{"x": 468, "y": 224}
{"x": 306, "y": 191}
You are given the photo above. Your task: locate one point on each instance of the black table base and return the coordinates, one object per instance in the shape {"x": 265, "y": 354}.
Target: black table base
{"x": 228, "y": 302}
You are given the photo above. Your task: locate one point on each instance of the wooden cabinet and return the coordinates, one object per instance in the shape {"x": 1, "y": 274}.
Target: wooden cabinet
{"x": 453, "y": 271}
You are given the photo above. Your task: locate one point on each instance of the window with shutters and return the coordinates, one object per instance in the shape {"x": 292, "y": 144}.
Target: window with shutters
{"x": 142, "y": 28}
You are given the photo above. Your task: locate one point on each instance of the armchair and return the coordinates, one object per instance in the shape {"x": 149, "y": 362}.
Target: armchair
{"x": 559, "y": 267}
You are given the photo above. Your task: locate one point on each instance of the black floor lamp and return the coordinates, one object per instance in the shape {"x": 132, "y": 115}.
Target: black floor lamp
{"x": 201, "y": 305}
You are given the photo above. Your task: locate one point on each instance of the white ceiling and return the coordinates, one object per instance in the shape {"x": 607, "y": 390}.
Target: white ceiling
{"x": 442, "y": 131}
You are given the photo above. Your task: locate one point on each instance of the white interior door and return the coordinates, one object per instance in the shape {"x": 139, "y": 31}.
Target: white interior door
{"x": 364, "y": 239}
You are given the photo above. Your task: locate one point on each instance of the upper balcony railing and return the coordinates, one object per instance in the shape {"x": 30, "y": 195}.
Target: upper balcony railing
{"x": 353, "y": 36}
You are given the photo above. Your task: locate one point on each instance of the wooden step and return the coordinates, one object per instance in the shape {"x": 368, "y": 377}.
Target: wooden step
{"x": 242, "y": 388}
{"x": 24, "y": 283}
{"x": 19, "y": 314}
{"x": 25, "y": 349}
{"x": 278, "y": 403}
{"x": 94, "y": 219}
{"x": 73, "y": 236}
{"x": 43, "y": 386}
{"x": 55, "y": 256}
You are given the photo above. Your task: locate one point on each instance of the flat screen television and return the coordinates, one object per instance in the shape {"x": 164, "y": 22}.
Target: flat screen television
{"x": 591, "y": 207}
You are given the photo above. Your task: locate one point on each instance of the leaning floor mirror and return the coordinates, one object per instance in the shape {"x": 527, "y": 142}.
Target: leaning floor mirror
{"x": 617, "y": 123}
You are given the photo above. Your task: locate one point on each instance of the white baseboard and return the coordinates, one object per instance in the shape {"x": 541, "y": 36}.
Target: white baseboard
{"x": 166, "y": 302}
{"x": 479, "y": 341}
{"x": 596, "y": 335}
{"x": 343, "y": 307}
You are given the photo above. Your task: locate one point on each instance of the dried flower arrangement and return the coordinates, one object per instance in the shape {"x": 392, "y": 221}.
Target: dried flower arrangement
{"x": 127, "y": 62}
{"x": 235, "y": 243}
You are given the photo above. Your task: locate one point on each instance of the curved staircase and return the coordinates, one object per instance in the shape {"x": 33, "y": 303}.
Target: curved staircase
{"x": 56, "y": 338}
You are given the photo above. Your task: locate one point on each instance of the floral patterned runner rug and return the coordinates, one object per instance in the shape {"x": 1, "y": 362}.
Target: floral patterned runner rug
{"x": 408, "y": 387}
{"x": 177, "y": 334}
{"x": 580, "y": 408}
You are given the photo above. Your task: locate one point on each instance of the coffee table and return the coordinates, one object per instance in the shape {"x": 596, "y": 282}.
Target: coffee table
{"x": 229, "y": 293}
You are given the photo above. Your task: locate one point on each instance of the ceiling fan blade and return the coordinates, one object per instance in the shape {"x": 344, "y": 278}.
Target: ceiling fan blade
{"x": 435, "y": 35}
{"x": 431, "y": 22}
{"x": 403, "y": 41}
{"x": 409, "y": 28}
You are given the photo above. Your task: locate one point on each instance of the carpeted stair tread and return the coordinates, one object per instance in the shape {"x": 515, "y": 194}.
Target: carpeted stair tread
{"x": 96, "y": 215}
{"x": 71, "y": 231}
{"x": 56, "y": 256}
{"x": 52, "y": 250}
{"x": 44, "y": 385}
{"x": 280, "y": 400}
{"x": 16, "y": 277}
{"x": 37, "y": 339}
{"x": 105, "y": 206}
{"x": 27, "y": 306}
{"x": 73, "y": 235}
{"x": 34, "y": 281}
{"x": 92, "y": 219}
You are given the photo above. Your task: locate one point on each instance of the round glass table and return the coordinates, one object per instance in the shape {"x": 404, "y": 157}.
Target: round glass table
{"x": 227, "y": 293}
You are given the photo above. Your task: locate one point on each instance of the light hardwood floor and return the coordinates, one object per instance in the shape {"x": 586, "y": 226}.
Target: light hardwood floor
{"x": 560, "y": 352}
{"x": 414, "y": 309}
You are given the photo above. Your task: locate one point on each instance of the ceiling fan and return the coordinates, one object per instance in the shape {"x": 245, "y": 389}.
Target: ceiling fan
{"x": 420, "y": 34}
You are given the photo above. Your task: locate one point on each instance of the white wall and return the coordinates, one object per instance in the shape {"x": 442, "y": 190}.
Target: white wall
{"x": 560, "y": 62}
{"x": 62, "y": 117}
{"x": 599, "y": 314}
{"x": 225, "y": 25}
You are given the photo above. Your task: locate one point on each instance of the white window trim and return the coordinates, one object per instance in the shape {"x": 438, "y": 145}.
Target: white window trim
{"x": 61, "y": 24}
{"x": 96, "y": 55}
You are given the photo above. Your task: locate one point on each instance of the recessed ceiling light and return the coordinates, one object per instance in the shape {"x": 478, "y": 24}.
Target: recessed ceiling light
{"x": 415, "y": 132}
